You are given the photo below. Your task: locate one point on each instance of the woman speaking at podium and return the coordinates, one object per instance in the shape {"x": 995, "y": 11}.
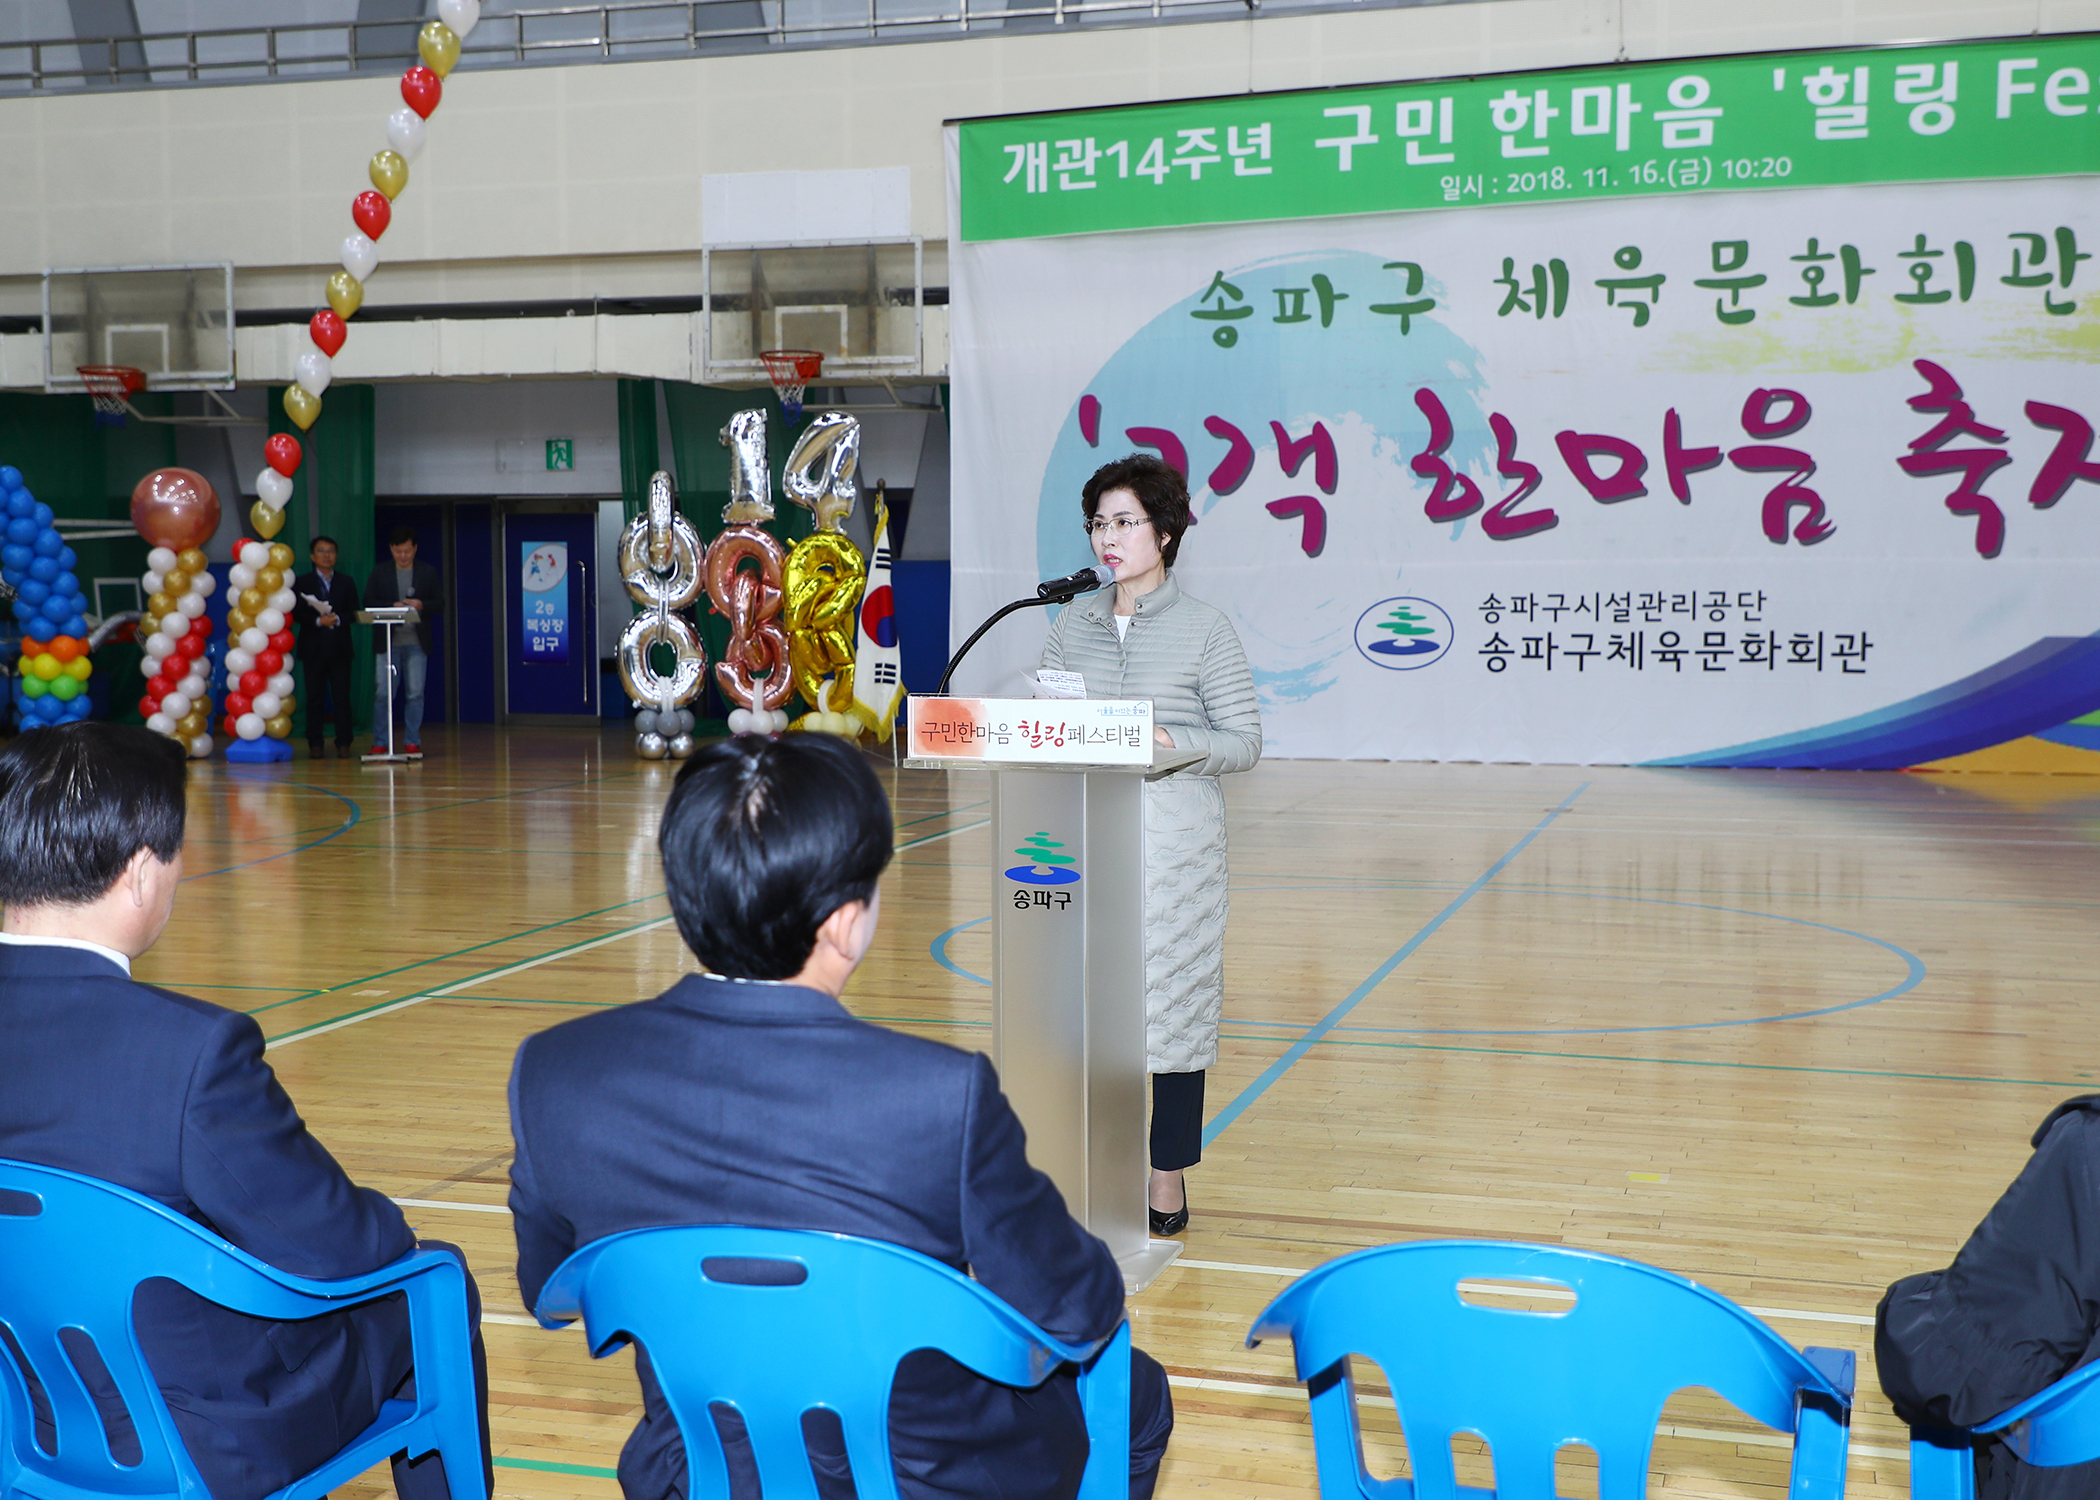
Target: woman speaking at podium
{"x": 1145, "y": 638}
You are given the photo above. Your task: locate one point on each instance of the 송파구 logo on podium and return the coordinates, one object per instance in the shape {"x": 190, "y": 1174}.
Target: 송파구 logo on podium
{"x": 1046, "y": 865}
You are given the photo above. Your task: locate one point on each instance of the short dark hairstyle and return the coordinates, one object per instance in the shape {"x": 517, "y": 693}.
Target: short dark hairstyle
{"x": 1160, "y": 489}
{"x": 762, "y": 840}
{"x": 77, "y": 801}
{"x": 331, "y": 541}
{"x": 399, "y": 535}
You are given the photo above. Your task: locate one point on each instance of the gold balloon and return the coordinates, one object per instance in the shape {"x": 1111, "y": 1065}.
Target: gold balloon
{"x": 389, "y": 173}
{"x": 281, "y": 557}
{"x": 822, "y": 584}
{"x": 278, "y": 727}
{"x": 268, "y": 522}
{"x": 302, "y": 409}
{"x": 290, "y": 703}
{"x": 174, "y": 583}
{"x": 238, "y": 620}
{"x": 149, "y": 625}
{"x": 252, "y": 601}
{"x": 192, "y": 560}
{"x": 159, "y": 604}
{"x": 439, "y": 46}
{"x": 175, "y": 508}
{"x": 346, "y": 294}
{"x": 270, "y": 580}
{"x": 193, "y": 723}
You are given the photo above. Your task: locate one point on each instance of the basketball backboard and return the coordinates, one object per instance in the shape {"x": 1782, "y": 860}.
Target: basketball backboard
{"x": 859, "y": 304}
{"x": 173, "y": 322}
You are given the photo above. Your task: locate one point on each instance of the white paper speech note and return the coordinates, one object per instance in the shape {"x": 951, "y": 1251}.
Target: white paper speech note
{"x": 1050, "y": 684}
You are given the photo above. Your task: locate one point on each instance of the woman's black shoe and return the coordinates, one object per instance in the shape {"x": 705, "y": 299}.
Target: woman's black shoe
{"x": 1165, "y": 1226}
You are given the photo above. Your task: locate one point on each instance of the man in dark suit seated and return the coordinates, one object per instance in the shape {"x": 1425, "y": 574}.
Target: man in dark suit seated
{"x": 170, "y": 1097}
{"x": 2017, "y": 1311}
{"x": 749, "y": 1095}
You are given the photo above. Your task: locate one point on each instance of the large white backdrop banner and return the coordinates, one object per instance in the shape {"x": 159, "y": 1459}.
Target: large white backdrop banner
{"x": 1799, "y": 477}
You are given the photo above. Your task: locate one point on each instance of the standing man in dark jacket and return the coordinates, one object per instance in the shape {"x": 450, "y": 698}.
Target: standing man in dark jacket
{"x": 2017, "y": 1311}
{"x": 417, "y": 585}
{"x": 750, "y": 1096}
{"x": 170, "y": 1097}
{"x": 327, "y": 604}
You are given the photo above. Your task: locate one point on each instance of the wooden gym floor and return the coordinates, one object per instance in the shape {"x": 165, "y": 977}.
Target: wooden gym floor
{"x": 1785, "y": 1033}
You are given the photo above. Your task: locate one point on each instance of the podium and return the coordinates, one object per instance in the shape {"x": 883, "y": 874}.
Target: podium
{"x": 1067, "y": 884}
{"x": 386, "y": 617}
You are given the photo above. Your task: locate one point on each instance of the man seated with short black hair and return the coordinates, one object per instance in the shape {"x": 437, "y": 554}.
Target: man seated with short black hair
{"x": 750, "y": 1096}
{"x": 170, "y": 1097}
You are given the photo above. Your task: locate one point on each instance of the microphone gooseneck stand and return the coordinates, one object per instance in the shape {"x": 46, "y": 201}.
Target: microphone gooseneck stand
{"x": 1045, "y": 594}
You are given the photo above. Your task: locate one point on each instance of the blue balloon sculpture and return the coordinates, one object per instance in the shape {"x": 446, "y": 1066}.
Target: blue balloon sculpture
{"x": 51, "y": 682}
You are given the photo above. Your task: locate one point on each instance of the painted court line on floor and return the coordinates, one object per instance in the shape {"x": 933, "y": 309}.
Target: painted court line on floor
{"x": 465, "y": 984}
{"x": 1223, "y": 1120}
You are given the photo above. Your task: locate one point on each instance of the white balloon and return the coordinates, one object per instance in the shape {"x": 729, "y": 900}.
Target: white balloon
{"x": 197, "y": 686}
{"x": 282, "y": 684}
{"x": 176, "y": 624}
{"x": 204, "y": 585}
{"x": 160, "y": 723}
{"x": 162, "y": 559}
{"x": 152, "y": 583}
{"x": 404, "y": 132}
{"x": 175, "y": 704}
{"x": 273, "y": 489}
{"x": 191, "y": 605}
{"x": 360, "y": 257}
{"x": 311, "y": 368}
{"x": 240, "y": 575}
{"x": 200, "y": 747}
{"x": 740, "y": 721}
{"x": 255, "y": 555}
{"x": 254, "y": 641}
{"x": 267, "y": 704}
{"x": 238, "y": 661}
{"x": 159, "y": 647}
{"x": 461, "y": 15}
{"x": 269, "y": 622}
{"x": 284, "y": 601}
{"x": 250, "y": 726}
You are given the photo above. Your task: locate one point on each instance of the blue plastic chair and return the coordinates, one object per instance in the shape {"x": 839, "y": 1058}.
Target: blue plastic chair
{"x": 75, "y": 1263}
{"x": 1530, "y": 1382}
{"x": 833, "y": 1340}
{"x": 2050, "y": 1429}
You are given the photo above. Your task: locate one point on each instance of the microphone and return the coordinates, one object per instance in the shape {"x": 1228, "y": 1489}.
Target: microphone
{"x": 1085, "y": 581}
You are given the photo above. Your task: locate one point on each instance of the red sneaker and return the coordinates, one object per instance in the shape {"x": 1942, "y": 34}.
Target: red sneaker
{"x": 412, "y": 750}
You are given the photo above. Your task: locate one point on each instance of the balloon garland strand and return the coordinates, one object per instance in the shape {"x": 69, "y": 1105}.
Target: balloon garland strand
{"x": 177, "y": 510}
{"x": 38, "y": 567}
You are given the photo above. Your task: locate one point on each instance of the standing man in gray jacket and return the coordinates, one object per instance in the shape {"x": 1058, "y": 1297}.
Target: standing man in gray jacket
{"x": 1147, "y": 639}
{"x": 416, "y": 584}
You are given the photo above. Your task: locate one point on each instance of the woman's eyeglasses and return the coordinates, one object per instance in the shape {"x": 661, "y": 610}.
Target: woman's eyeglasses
{"x": 1117, "y": 525}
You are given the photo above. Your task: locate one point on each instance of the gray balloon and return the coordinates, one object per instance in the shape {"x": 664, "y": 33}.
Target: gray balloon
{"x": 686, "y": 721}
{"x": 680, "y": 746}
{"x": 645, "y": 722}
{"x": 649, "y": 746}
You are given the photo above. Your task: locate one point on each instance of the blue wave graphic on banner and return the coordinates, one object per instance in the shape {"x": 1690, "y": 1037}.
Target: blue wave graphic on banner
{"x": 2051, "y": 682}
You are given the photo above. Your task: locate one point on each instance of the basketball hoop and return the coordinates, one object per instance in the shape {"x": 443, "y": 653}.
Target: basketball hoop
{"x": 791, "y": 371}
{"x": 112, "y": 386}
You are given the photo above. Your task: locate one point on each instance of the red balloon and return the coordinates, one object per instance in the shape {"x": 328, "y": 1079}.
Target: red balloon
{"x": 422, "y": 89}
{"x": 160, "y": 687}
{"x": 282, "y": 450}
{"x": 281, "y": 643}
{"x": 327, "y": 331}
{"x": 148, "y": 706}
{"x": 269, "y": 663}
{"x": 175, "y": 508}
{"x": 191, "y": 645}
{"x": 253, "y": 683}
{"x": 201, "y": 628}
{"x": 236, "y": 705}
{"x": 229, "y": 727}
{"x": 372, "y": 211}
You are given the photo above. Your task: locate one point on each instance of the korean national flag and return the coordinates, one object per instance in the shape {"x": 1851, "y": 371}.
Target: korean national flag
{"x": 878, "y": 668}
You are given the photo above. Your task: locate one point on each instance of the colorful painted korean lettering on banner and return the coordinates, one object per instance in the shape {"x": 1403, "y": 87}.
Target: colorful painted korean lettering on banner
{"x": 1736, "y": 411}
{"x": 544, "y": 585}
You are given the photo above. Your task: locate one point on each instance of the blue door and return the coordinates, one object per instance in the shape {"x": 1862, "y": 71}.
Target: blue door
{"x": 550, "y": 624}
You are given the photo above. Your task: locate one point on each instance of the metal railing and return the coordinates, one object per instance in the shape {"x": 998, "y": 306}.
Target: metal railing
{"x": 583, "y": 33}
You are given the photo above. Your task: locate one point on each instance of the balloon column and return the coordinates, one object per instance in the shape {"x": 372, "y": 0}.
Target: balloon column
{"x": 176, "y": 511}
{"x": 422, "y": 87}
{"x": 51, "y": 680}
{"x": 259, "y": 699}
{"x": 661, "y": 563}
{"x": 825, "y": 572}
{"x": 755, "y": 671}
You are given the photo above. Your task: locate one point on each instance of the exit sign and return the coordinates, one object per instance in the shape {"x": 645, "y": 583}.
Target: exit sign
{"x": 561, "y": 453}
